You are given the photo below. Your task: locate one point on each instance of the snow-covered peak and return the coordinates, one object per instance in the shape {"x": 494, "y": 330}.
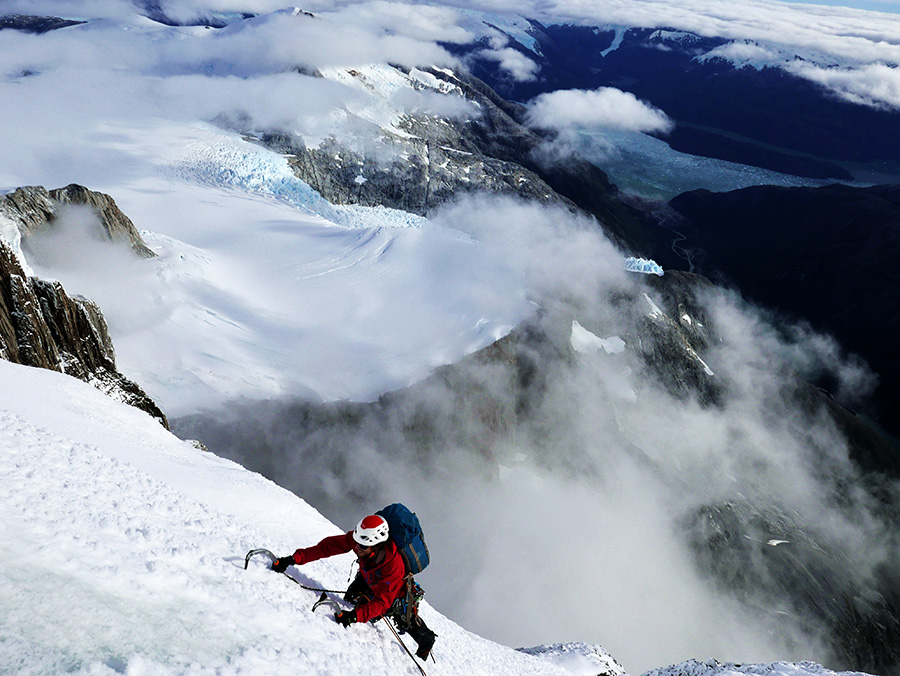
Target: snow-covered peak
{"x": 389, "y": 94}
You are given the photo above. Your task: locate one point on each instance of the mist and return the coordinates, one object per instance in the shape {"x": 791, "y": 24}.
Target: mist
{"x": 76, "y": 250}
{"x": 597, "y": 502}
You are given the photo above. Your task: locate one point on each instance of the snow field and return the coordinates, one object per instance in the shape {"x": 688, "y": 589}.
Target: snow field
{"x": 123, "y": 551}
{"x": 262, "y": 289}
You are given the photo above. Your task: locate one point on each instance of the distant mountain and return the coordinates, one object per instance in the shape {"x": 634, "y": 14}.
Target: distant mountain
{"x": 828, "y": 255}
{"x": 435, "y": 159}
{"x": 35, "y": 24}
{"x": 754, "y": 113}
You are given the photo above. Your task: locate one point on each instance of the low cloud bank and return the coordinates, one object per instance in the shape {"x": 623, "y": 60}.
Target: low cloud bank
{"x": 604, "y": 107}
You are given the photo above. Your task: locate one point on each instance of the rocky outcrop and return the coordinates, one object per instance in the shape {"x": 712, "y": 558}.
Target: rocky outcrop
{"x": 42, "y": 326}
{"x": 28, "y": 23}
{"x": 424, "y": 161}
{"x": 34, "y": 209}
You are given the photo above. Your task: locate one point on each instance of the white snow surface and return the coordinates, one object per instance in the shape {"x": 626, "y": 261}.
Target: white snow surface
{"x": 123, "y": 551}
{"x": 262, "y": 288}
{"x": 584, "y": 341}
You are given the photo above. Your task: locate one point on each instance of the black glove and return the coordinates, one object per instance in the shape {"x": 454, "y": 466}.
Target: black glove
{"x": 345, "y": 618}
{"x": 281, "y": 565}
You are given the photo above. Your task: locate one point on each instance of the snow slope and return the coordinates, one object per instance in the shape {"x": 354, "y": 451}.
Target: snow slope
{"x": 123, "y": 550}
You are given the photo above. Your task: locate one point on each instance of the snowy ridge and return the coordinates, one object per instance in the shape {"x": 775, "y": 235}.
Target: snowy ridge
{"x": 104, "y": 511}
{"x": 714, "y": 668}
{"x": 488, "y": 25}
{"x": 579, "y": 658}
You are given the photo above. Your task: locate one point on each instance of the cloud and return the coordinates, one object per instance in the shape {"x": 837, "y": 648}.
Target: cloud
{"x": 875, "y": 85}
{"x": 605, "y": 107}
{"x": 519, "y": 66}
{"x": 247, "y": 70}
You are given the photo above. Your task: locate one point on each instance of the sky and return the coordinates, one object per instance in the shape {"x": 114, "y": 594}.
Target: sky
{"x": 262, "y": 290}
{"x": 874, "y": 6}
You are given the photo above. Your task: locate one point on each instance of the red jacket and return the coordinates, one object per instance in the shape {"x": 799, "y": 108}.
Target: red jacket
{"x": 385, "y": 576}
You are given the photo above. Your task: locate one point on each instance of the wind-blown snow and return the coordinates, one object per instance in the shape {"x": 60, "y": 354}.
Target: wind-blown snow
{"x": 9, "y": 233}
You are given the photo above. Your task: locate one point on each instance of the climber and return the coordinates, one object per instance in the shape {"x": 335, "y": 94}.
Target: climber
{"x": 380, "y": 588}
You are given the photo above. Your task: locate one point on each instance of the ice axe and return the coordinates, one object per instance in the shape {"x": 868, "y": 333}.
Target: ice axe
{"x": 254, "y": 552}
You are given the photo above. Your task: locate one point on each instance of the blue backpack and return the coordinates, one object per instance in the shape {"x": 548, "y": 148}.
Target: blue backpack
{"x": 406, "y": 532}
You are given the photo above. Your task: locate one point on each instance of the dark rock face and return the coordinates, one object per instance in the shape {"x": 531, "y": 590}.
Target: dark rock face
{"x": 34, "y": 208}
{"x": 748, "y": 551}
{"x": 35, "y": 24}
{"x": 825, "y": 254}
{"x": 42, "y": 326}
{"x": 439, "y": 158}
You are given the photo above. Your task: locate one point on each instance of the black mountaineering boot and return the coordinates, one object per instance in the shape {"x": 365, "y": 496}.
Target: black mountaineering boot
{"x": 423, "y": 636}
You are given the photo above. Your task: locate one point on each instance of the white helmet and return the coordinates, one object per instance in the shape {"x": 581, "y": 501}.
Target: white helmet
{"x": 371, "y": 530}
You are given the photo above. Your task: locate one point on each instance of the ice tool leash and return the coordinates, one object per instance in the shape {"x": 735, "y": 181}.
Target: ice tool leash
{"x": 273, "y": 559}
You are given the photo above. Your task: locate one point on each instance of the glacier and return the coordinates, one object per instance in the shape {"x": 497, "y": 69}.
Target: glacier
{"x": 643, "y": 265}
